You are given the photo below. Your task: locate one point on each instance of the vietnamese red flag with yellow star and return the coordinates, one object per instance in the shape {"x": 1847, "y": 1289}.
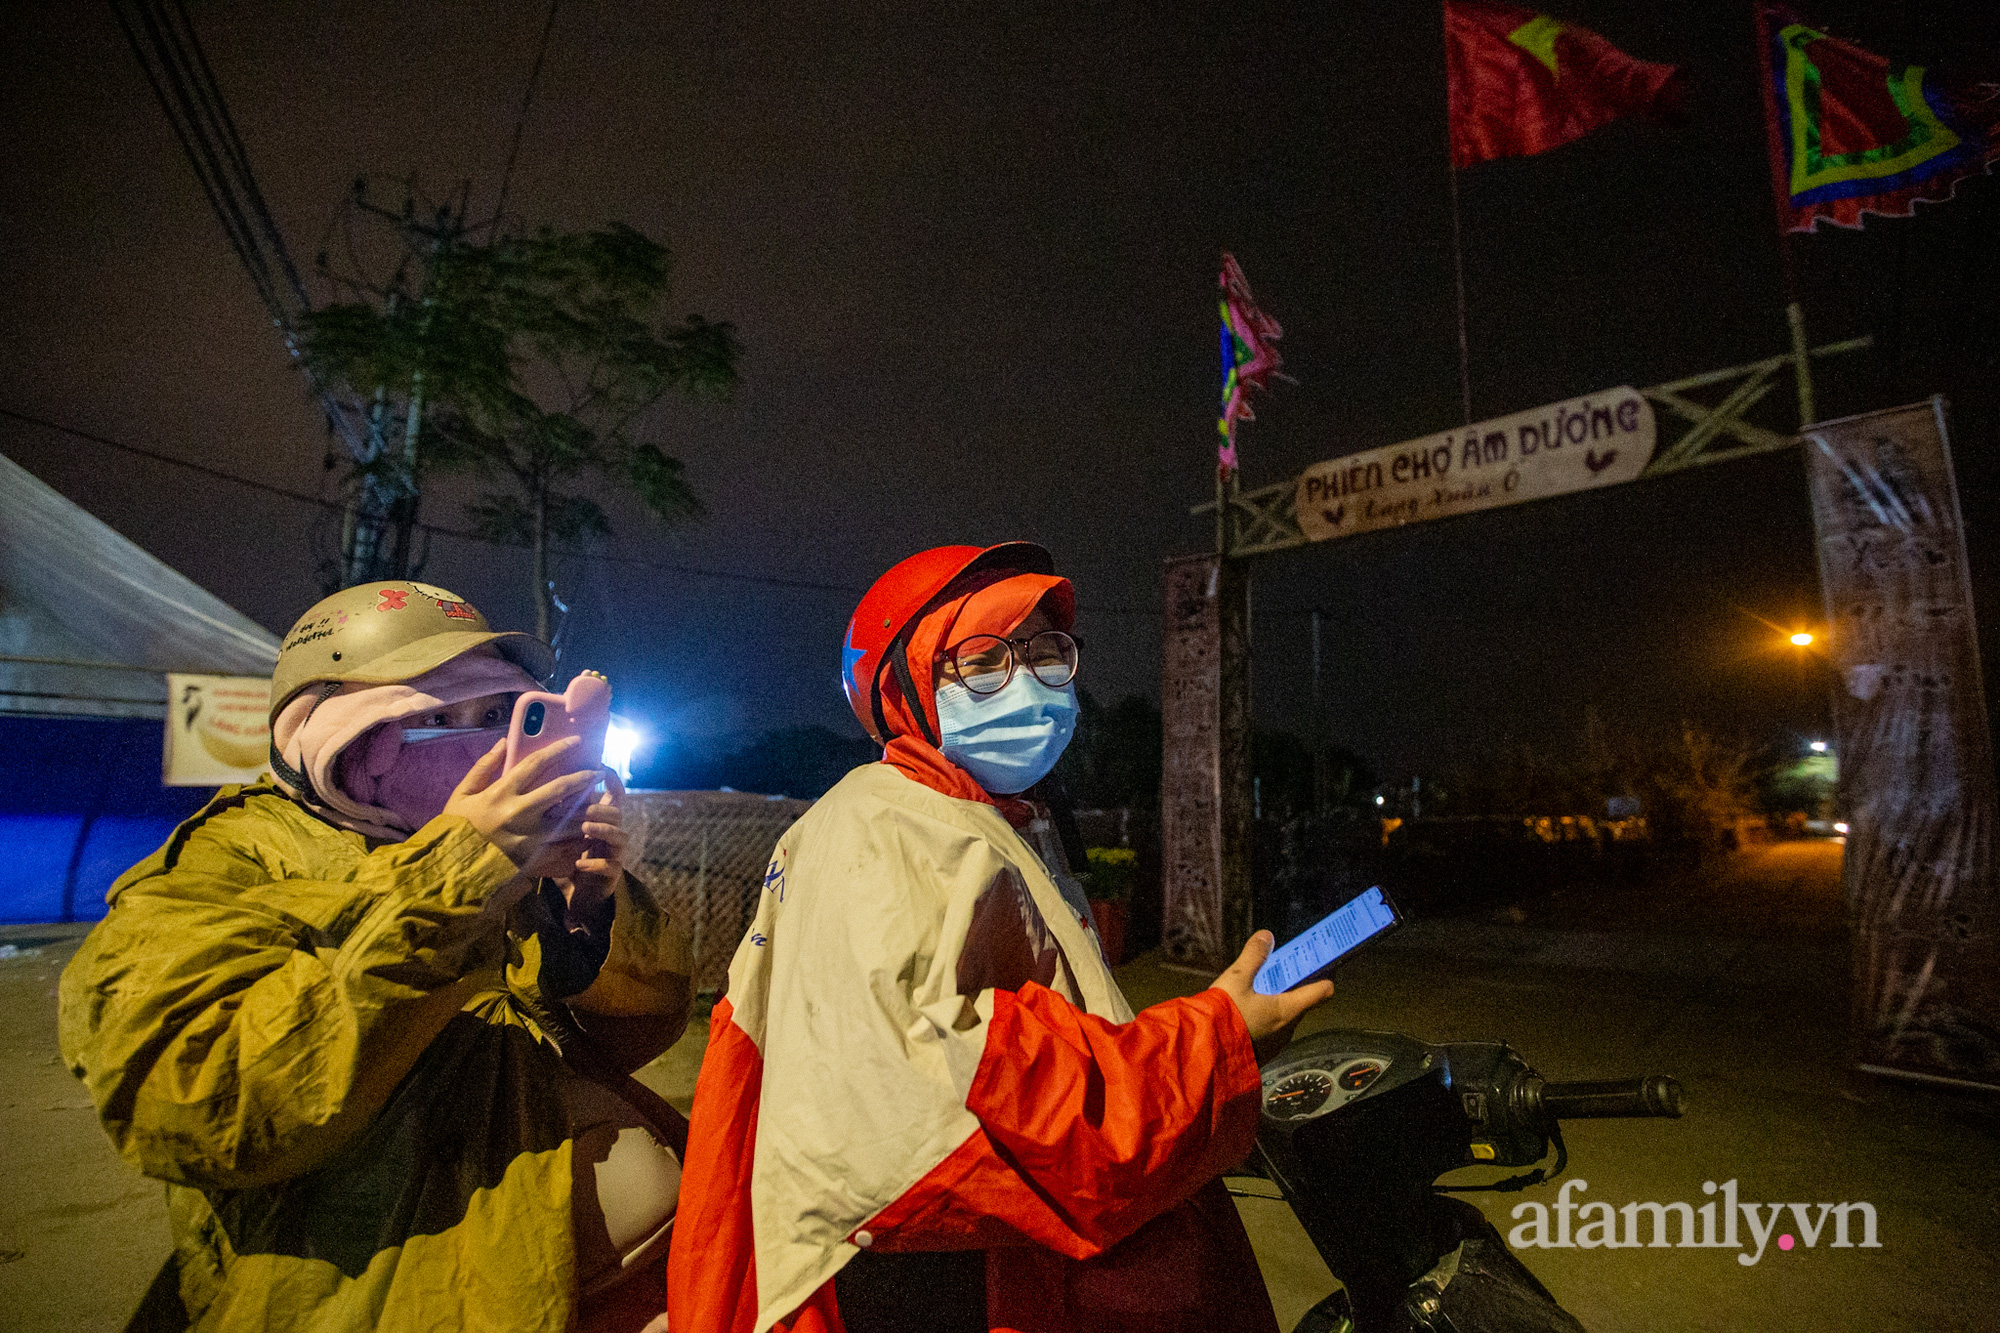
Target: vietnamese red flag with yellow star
{"x": 1522, "y": 83}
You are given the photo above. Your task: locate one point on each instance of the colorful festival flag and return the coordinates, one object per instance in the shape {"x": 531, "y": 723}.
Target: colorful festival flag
{"x": 1850, "y": 135}
{"x": 1248, "y": 356}
{"x": 1521, "y": 83}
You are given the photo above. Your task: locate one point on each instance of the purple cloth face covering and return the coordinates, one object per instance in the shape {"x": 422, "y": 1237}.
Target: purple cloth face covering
{"x": 413, "y": 773}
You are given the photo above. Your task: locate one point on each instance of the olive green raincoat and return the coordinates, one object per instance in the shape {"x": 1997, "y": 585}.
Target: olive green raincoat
{"x": 350, "y": 1069}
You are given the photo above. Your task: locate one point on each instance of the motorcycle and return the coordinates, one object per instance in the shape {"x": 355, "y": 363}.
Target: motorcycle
{"x": 1356, "y": 1129}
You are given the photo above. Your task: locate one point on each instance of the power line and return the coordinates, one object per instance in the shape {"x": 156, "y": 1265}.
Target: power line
{"x": 438, "y": 529}
{"x": 163, "y": 41}
{"x": 184, "y": 84}
{"x": 521, "y": 119}
{"x": 462, "y": 534}
{"x": 665, "y": 567}
{"x": 233, "y": 144}
{"x": 157, "y": 54}
{"x": 177, "y": 67}
{"x": 158, "y": 457}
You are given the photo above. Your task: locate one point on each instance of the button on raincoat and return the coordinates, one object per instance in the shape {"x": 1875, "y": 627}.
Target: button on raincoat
{"x": 349, "y": 1070}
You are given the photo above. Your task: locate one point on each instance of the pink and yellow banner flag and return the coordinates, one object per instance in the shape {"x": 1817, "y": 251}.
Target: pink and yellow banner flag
{"x": 1249, "y": 356}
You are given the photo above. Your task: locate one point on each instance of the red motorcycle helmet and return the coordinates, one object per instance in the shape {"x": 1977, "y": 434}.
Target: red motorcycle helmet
{"x": 878, "y": 634}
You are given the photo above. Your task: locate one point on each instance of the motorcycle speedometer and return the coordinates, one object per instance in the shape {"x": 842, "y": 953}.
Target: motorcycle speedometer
{"x": 1298, "y": 1096}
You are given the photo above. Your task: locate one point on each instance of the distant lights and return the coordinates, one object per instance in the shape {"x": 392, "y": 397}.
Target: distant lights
{"x": 1802, "y": 639}
{"x": 1381, "y": 800}
{"x": 1819, "y": 747}
{"x": 1840, "y": 827}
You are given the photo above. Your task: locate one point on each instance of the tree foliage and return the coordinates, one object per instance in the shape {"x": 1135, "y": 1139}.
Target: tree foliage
{"x": 530, "y": 361}
{"x": 1691, "y": 786}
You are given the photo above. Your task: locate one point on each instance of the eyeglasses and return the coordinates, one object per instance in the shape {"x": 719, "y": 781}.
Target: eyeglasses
{"x": 984, "y": 663}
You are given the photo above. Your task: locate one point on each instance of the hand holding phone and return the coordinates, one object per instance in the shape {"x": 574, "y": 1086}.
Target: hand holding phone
{"x": 542, "y": 719}
{"x": 511, "y": 808}
{"x": 1270, "y": 1020}
{"x": 1326, "y": 941}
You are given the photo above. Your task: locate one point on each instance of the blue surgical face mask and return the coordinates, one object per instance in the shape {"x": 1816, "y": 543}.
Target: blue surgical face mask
{"x": 1007, "y": 741}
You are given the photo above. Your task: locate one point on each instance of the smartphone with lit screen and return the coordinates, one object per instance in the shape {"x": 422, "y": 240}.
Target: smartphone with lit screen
{"x": 1314, "y": 951}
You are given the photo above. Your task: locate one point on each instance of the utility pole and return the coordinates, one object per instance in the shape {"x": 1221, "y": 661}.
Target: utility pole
{"x": 378, "y": 534}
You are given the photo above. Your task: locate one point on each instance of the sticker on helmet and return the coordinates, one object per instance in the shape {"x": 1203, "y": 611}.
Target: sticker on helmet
{"x": 393, "y": 599}
{"x": 307, "y": 631}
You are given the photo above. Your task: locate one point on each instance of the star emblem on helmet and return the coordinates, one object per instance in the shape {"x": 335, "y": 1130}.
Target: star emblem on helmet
{"x": 850, "y": 658}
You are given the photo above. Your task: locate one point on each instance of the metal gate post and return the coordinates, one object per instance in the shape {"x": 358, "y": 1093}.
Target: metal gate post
{"x": 1205, "y": 821}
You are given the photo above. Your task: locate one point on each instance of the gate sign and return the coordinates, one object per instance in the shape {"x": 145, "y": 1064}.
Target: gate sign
{"x": 1598, "y": 440}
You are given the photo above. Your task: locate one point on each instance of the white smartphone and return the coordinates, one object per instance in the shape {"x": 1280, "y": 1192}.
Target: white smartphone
{"x": 1335, "y": 935}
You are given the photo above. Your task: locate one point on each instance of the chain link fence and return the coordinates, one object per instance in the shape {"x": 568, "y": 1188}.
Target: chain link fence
{"x": 704, "y": 853}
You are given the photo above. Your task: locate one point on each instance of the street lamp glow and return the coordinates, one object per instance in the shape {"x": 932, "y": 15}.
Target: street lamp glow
{"x": 1819, "y": 747}
{"x": 1802, "y": 639}
{"x": 1379, "y": 800}
{"x": 621, "y": 740}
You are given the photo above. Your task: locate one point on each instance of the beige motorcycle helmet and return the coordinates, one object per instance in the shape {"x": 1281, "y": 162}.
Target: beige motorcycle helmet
{"x": 390, "y": 631}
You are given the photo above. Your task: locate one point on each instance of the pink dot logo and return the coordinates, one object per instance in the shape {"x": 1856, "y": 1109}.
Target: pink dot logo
{"x": 1785, "y": 1241}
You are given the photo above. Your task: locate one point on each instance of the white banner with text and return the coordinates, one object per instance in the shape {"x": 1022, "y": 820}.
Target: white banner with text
{"x": 1601, "y": 439}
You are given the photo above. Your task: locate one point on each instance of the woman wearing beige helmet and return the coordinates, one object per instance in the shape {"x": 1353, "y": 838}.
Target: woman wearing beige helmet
{"x": 372, "y": 1017}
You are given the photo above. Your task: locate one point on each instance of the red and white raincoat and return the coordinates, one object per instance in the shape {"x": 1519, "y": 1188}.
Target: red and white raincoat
{"x": 922, "y": 1049}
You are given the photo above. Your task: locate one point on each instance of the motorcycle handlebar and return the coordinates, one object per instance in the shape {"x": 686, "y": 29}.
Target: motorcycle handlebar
{"x": 1652, "y": 1095}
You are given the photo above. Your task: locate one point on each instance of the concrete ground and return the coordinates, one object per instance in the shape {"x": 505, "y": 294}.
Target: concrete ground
{"x": 1734, "y": 982}
{"x": 1736, "y": 985}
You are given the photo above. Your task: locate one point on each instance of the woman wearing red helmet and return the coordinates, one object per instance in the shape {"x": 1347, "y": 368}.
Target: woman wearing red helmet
{"x": 925, "y": 1103}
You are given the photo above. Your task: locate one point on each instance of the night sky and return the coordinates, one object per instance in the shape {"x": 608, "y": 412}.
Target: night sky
{"x": 971, "y": 257}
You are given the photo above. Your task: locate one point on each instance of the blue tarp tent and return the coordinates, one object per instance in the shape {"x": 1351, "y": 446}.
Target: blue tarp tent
{"x": 89, "y": 624}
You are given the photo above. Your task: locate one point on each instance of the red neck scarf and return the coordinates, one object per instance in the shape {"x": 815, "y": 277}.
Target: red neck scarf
{"x": 988, "y": 602}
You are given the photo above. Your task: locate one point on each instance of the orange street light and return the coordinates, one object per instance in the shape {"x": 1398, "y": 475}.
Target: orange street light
{"x": 1802, "y": 639}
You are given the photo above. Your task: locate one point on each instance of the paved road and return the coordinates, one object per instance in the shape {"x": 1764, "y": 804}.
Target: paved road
{"x": 1735, "y": 982}
{"x": 80, "y": 1234}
